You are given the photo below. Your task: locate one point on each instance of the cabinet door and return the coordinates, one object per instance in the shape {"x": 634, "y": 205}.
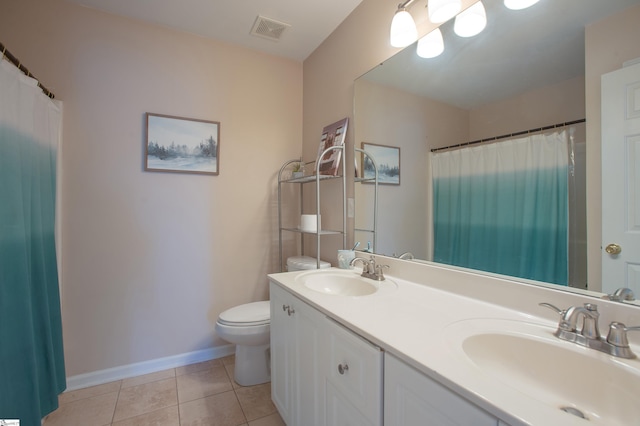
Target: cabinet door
{"x": 353, "y": 378}
{"x": 308, "y": 375}
{"x": 413, "y": 399}
{"x": 296, "y": 352}
{"x": 282, "y": 330}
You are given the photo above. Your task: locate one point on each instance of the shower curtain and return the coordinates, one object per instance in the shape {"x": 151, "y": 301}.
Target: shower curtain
{"x": 503, "y": 207}
{"x": 31, "y": 359}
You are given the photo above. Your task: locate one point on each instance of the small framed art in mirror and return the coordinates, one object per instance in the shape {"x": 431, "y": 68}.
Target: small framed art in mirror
{"x": 387, "y": 159}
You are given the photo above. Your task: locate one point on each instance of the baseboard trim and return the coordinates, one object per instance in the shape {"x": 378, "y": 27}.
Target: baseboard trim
{"x": 137, "y": 369}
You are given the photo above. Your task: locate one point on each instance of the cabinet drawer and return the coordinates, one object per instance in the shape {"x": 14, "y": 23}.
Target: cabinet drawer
{"x": 354, "y": 372}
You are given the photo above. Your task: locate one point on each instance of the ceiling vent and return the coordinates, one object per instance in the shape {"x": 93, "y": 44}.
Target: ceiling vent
{"x": 268, "y": 28}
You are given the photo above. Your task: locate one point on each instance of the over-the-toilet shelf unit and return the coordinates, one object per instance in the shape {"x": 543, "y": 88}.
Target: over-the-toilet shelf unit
{"x": 374, "y": 181}
{"x": 317, "y": 178}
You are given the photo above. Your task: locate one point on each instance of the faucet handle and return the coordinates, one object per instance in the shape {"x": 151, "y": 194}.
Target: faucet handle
{"x": 378, "y": 272}
{"x": 618, "y": 334}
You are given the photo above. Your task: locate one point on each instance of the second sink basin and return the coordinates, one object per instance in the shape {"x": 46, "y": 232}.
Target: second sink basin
{"x": 528, "y": 358}
{"x": 341, "y": 283}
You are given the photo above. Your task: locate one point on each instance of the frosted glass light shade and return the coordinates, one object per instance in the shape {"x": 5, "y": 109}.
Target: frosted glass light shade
{"x": 519, "y": 4}
{"x": 403, "y": 29}
{"x": 431, "y": 45}
{"x": 443, "y": 10}
{"x": 471, "y": 22}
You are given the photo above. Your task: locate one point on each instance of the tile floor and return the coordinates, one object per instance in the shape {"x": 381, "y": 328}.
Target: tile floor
{"x": 199, "y": 394}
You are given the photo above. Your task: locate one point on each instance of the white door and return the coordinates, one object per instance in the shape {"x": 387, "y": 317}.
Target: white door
{"x": 621, "y": 179}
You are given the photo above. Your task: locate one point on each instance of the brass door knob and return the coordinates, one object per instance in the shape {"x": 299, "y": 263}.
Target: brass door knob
{"x": 613, "y": 249}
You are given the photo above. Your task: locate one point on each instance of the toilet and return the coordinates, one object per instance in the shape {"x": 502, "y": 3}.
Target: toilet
{"x": 248, "y": 327}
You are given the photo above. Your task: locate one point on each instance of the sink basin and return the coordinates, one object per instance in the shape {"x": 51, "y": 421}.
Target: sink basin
{"x": 527, "y": 358}
{"x": 341, "y": 283}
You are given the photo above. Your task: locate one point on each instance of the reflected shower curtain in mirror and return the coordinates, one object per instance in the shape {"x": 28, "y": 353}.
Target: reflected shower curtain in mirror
{"x": 503, "y": 207}
{"x": 31, "y": 358}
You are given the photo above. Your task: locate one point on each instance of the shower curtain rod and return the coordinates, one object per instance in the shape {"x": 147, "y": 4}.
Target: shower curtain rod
{"x": 6, "y": 54}
{"x": 510, "y": 135}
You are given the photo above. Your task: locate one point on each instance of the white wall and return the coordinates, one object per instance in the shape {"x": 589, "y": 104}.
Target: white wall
{"x": 151, "y": 259}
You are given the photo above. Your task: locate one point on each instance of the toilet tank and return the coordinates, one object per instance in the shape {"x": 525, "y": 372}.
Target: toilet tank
{"x": 301, "y": 263}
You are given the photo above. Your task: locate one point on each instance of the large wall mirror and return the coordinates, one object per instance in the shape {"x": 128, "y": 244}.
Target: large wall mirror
{"x": 525, "y": 71}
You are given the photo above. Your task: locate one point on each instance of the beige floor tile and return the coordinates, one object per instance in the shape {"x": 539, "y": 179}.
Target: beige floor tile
{"x": 272, "y": 420}
{"x": 148, "y": 378}
{"x": 92, "y": 411}
{"x": 203, "y": 383}
{"x": 230, "y": 359}
{"x": 75, "y": 395}
{"x": 256, "y": 401}
{"x": 146, "y": 398}
{"x": 200, "y": 366}
{"x": 222, "y": 409}
{"x": 164, "y": 417}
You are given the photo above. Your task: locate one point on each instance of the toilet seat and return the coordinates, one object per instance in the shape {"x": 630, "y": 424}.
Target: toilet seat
{"x": 247, "y": 315}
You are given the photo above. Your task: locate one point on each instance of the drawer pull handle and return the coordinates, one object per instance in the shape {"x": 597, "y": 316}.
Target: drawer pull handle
{"x": 343, "y": 368}
{"x": 285, "y": 307}
{"x": 290, "y": 311}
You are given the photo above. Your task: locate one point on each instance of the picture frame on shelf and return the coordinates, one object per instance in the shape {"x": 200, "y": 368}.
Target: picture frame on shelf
{"x": 387, "y": 159}
{"x": 182, "y": 145}
{"x": 332, "y": 135}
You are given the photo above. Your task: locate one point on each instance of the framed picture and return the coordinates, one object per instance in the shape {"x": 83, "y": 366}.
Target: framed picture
{"x": 387, "y": 159}
{"x": 332, "y": 135}
{"x": 182, "y": 145}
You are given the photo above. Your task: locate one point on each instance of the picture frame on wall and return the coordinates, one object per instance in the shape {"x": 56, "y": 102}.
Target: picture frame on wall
{"x": 332, "y": 135}
{"x": 182, "y": 145}
{"x": 387, "y": 159}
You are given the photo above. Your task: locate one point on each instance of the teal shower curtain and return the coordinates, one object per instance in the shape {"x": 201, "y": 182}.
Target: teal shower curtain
{"x": 503, "y": 207}
{"x": 31, "y": 359}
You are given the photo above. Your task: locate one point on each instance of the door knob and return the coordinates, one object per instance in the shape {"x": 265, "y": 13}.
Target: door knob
{"x": 613, "y": 249}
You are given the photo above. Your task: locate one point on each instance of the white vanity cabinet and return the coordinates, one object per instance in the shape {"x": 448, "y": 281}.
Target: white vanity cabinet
{"x": 353, "y": 378}
{"x": 296, "y": 353}
{"x": 413, "y": 399}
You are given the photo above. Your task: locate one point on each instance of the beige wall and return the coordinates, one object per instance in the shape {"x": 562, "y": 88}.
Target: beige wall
{"x": 150, "y": 259}
{"x": 609, "y": 43}
{"x": 361, "y": 42}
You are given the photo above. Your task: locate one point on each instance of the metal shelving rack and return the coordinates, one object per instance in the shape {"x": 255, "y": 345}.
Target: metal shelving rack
{"x": 374, "y": 181}
{"x": 317, "y": 178}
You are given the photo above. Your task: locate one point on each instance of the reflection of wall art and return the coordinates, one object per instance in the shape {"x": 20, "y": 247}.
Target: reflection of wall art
{"x": 182, "y": 145}
{"x": 388, "y": 160}
{"x": 332, "y": 135}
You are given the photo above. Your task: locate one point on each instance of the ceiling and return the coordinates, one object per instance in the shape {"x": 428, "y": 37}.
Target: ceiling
{"x": 232, "y": 20}
{"x": 518, "y": 51}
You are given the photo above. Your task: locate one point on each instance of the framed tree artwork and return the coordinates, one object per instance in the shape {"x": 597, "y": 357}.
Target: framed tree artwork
{"x": 182, "y": 145}
{"x": 387, "y": 159}
{"x": 333, "y": 135}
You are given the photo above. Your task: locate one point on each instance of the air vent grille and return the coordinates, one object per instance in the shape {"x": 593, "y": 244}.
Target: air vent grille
{"x": 268, "y": 28}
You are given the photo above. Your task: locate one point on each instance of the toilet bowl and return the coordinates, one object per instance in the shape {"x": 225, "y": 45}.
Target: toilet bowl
{"x": 248, "y": 327}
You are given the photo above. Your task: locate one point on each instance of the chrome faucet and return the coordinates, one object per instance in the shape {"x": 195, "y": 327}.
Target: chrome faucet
{"x": 369, "y": 268}
{"x": 407, "y": 255}
{"x": 620, "y": 295}
{"x": 616, "y": 343}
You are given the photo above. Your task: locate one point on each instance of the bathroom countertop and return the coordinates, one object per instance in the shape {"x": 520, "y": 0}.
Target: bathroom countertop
{"x": 412, "y": 321}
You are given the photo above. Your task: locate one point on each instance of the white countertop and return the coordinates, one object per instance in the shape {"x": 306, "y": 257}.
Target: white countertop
{"x": 412, "y": 321}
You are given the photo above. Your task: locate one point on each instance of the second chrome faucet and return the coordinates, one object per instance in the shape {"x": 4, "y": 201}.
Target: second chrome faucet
{"x": 588, "y": 335}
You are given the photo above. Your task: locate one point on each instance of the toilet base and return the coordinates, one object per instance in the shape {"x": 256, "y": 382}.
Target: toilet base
{"x": 253, "y": 365}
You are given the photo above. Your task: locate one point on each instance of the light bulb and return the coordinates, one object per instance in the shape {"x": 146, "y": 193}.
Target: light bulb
{"x": 443, "y": 10}
{"x": 471, "y": 22}
{"x": 519, "y": 4}
{"x": 403, "y": 29}
{"x": 431, "y": 45}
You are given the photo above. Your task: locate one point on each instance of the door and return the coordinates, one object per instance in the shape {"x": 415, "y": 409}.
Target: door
{"x": 621, "y": 179}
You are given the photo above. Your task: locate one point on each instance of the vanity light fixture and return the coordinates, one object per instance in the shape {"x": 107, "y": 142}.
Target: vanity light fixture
{"x": 403, "y": 28}
{"x": 519, "y": 4}
{"x": 471, "y": 22}
{"x": 431, "y": 45}
{"x": 443, "y": 10}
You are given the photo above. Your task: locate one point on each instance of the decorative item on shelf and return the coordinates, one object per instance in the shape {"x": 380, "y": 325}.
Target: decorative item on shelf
{"x": 297, "y": 171}
{"x": 332, "y": 135}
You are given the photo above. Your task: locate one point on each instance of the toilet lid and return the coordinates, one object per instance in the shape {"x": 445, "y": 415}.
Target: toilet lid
{"x": 256, "y": 313}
